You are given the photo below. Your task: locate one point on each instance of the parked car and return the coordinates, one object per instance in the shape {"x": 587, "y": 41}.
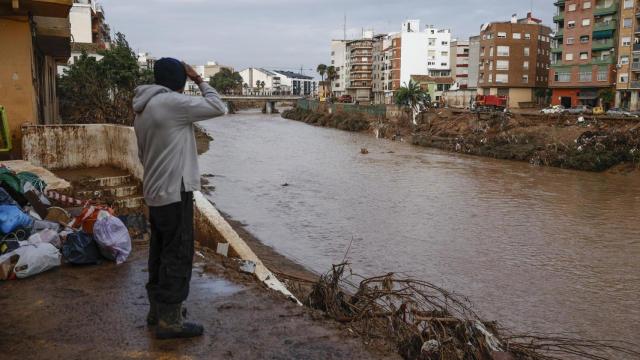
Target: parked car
{"x": 556, "y": 109}
{"x": 579, "y": 110}
{"x": 345, "y": 99}
{"x": 620, "y": 113}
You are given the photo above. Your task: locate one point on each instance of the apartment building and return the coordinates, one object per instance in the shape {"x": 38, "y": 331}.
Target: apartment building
{"x": 89, "y": 31}
{"x": 35, "y": 37}
{"x": 474, "y": 62}
{"x": 295, "y": 83}
{"x": 359, "y": 74}
{"x": 583, "y": 62}
{"x": 628, "y": 79}
{"x": 339, "y": 62}
{"x": 459, "y": 60}
{"x": 252, "y": 76}
{"x": 514, "y": 59}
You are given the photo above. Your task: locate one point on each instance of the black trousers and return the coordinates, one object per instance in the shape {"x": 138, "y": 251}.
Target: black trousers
{"x": 171, "y": 251}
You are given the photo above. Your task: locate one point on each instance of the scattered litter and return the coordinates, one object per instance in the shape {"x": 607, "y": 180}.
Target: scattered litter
{"x": 112, "y": 237}
{"x": 223, "y": 249}
{"x": 81, "y": 249}
{"x": 35, "y": 259}
{"x": 247, "y": 266}
{"x": 285, "y": 184}
{"x": 364, "y": 151}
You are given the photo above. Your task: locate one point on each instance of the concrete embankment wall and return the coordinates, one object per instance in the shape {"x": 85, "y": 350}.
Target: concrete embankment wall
{"x": 93, "y": 145}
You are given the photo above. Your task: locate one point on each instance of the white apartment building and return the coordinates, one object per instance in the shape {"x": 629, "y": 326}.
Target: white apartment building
{"x": 425, "y": 52}
{"x": 89, "y": 32}
{"x": 296, "y": 84}
{"x": 339, "y": 61}
{"x": 252, "y": 76}
{"x": 146, "y": 61}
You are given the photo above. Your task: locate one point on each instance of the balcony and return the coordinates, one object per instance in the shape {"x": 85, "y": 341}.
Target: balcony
{"x": 559, "y": 17}
{"x": 635, "y": 66}
{"x": 609, "y": 10}
{"x": 559, "y": 3}
{"x": 634, "y": 84}
{"x": 606, "y": 44}
{"x": 605, "y": 26}
{"x": 606, "y": 61}
{"x": 636, "y": 47}
{"x": 556, "y": 50}
{"x": 559, "y": 34}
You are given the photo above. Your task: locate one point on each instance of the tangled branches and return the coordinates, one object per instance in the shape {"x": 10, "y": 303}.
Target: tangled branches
{"x": 424, "y": 321}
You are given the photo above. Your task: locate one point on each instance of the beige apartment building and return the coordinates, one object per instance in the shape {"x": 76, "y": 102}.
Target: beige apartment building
{"x": 628, "y": 80}
{"x": 514, "y": 59}
{"x": 359, "y": 81}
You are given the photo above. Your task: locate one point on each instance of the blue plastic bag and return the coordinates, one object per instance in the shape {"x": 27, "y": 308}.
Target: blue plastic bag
{"x": 12, "y": 218}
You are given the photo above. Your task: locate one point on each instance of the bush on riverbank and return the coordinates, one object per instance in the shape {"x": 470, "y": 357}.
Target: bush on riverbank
{"x": 342, "y": 121}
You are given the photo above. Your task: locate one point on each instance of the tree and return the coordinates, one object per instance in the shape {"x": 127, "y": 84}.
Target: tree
{"x": 322, "y": 70}
{"x": 245, "y": 86}
{"x": 226, "y": 81}
{"x": 92, "y": 91}
{"x": 332, "y": 74}
{"x": 413, "y": 96}
{"x": 606, "y": 97}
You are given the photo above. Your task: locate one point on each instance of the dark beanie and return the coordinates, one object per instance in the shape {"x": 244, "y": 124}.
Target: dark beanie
{"x": 170, "y": 72}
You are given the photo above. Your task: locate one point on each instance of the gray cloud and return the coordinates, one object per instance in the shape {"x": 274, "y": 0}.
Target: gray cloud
{"x": 289, "y": 34}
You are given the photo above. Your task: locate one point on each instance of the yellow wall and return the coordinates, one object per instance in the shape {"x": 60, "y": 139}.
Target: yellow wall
{"x": 518, "y": 95}
{"x": 17, "y": 93}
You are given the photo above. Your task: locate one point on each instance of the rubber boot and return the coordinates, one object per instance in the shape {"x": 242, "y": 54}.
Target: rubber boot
{"x": 171, "y": 324}
{"x": 152, "y": 316}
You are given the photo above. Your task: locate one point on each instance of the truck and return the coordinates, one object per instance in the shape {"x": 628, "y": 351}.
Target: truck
{"x": 490, "y": 103}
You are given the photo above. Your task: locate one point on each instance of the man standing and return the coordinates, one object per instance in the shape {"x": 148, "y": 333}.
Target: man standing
{"x": 167, "y": 150}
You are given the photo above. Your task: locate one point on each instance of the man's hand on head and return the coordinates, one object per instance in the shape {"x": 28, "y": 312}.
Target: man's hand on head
{"x": 192, "y": 74}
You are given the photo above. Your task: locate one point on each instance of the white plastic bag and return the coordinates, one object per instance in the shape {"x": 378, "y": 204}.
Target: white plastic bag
{"x": 112, "y": 237}
{"x": 46, "y": 236}
{"x": 35, "y": 259}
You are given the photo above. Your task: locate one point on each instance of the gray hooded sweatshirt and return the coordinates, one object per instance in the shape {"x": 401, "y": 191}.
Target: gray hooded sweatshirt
{"x": 166, "y": 139}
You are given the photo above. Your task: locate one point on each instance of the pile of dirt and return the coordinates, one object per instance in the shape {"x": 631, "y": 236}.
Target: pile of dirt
{"x": 342, "y": 121}
{"x": 562, "y": 141}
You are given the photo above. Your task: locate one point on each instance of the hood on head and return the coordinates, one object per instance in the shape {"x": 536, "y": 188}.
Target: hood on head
{"x": 144, "y": 93}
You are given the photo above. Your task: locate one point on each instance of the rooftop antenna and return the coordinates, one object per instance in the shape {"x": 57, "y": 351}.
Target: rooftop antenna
{"x": 345, "y": 27}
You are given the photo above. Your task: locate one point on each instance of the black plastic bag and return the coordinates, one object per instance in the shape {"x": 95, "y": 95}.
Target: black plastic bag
{"x": 81, "y": 249}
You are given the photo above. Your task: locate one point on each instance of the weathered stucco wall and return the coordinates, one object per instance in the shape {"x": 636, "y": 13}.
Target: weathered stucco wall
{"x": 77, "y": 146}
{"x": 17, "y": 93}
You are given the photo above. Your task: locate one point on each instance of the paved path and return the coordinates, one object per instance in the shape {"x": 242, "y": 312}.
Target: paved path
{"x": 99, "y": 313}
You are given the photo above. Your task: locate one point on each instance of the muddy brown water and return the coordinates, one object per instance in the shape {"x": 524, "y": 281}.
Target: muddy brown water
{"x": 539, "y": 249}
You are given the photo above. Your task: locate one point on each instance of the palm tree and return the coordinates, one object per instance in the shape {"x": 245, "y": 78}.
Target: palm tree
{"x": 413, "y": 96}
{"x": 322, "y": 69}
{"x": 245, "y": 86}
{"x": 331, "y": 75}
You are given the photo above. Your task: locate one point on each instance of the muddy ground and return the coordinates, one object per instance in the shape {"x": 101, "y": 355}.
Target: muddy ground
{"x": 565, "y": 141}
{"x": 98, "y": 312}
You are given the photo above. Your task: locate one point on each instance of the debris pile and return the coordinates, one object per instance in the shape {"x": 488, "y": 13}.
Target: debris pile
{"x": 424, "y": 321}
{"x": 36, "y": 235}
{"x": 342, "y": 121}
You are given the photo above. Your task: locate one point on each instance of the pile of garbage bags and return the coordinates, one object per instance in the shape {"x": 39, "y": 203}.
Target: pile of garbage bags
{"x": 36, "y": 236}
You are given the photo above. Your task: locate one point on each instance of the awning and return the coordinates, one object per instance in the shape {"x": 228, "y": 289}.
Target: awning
{"x": 53, "y": 36}
{"x": 51, "y": 8}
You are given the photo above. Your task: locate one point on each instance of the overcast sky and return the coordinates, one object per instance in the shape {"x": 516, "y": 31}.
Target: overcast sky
{"x": 288, "y": 34}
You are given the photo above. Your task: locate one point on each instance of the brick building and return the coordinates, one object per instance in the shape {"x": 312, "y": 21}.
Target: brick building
{"x": 514, "y": 59}
{"x": 628, "y": 80}
{"x": 583, "y": 60}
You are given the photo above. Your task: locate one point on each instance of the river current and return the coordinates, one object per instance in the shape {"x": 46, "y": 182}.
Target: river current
{"x": 539, "y": 249}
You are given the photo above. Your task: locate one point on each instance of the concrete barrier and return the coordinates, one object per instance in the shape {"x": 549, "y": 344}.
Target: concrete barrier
{"x": 93, "y": 145}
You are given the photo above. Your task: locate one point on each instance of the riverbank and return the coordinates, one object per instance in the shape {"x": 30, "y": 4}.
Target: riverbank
{"x": 591, "y": 144}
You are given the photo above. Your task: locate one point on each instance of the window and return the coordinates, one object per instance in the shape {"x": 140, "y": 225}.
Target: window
{"x": 586, "y": 22}
{"x": 562, "y": 76}
{"x": 584, "y": 56}
{"x": 624, "y": 78}
{"x": 572, "y": 7}
{"x": 490, "y": 78}
{"x": 432, "y": 42}
{"x": 503, "y": 51}
{"x": 445, "y": 43}
{"x": 517, "y": 36}
{"x": 585, "y": 76}
{"x": 526, "y": 51}
{"x": 502, "y": 35}
{"x": 586, "y": 5}
{"x": 491, "y": 51}
{"x": 502, "y": 65}
{"x": 626, "y": 41}
{"x": 584, "y": 39}
{"x": 627, "y": 23}
{"x": 570, "y": 41}
{"x": 602, "y": 75}
{"x": 571, "y": 24}
{"x": 502, "y": 78}
{"x": 569, "y": 57}
{"x": 527, "y": 36}
{"x": 628, "y": 4}
{"x": 444, "y": 53}
{"x": 624, "y": 60}
{"x": 525, "y": 79}
{"x": 490, "y": 64}
{"x": 525, "y": 65}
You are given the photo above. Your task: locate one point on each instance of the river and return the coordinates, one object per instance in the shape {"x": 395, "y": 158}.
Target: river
{"x": 539, "y": 249}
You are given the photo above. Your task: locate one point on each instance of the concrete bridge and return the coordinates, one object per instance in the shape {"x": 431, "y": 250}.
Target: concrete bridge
{"x": 269, "y": 100}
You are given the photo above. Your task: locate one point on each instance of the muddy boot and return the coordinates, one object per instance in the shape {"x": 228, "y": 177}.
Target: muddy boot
{"x": 171, "y": 324}
{"x": 152, "y": 316}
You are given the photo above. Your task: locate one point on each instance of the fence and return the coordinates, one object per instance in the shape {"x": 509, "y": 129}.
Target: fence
{"x": 372, "y": 110}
